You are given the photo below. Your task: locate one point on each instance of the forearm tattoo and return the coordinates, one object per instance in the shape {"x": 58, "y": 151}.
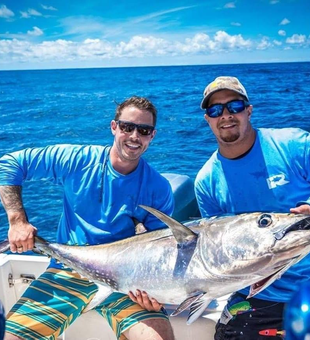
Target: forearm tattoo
{"x": 11, "y": 197}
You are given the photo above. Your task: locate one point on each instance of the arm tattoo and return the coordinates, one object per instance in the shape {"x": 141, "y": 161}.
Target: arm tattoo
{"x": 11, "y": 197}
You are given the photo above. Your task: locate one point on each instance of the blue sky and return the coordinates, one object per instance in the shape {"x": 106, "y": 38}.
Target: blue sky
{"x": 37, "y": 34}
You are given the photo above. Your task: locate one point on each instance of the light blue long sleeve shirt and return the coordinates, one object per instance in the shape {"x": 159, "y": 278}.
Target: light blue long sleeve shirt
{"x": 99, "y": 203}
{"x": 273, "y": 177}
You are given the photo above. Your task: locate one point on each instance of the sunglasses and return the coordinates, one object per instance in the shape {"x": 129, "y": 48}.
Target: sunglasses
{"x": 234, "y": 106}
{"x": 129, "y": 127}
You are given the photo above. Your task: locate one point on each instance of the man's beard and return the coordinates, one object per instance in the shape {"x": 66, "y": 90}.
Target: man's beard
{"x": 230, "y": 138}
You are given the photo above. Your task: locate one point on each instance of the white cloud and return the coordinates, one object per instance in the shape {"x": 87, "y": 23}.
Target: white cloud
{"x": 284, "y": 22}
{"x": 95, "y": 47}
{"x": 24, "y": 15}
{"x": 230, "y": 5}
{"x": 225, "y": 41}
{"x": 296, "y": 39}
{"x": 199, "y": 43}
{"x": 273, "y": 2}
{"x": 49, "y": 8}
{"x": 264, "y": 44}
{"x": 235, "y": 24}
{"x": 282, "y": 33}
{"x": 144, "y": 46}
{"x": 137, "y": 46}
{"x": 35, "y": 32}
{"x": 277, "y": 42}
{"x": 19, "y": 50}
{"x": 30, "y": 13}
{"x": 5, "y": 12}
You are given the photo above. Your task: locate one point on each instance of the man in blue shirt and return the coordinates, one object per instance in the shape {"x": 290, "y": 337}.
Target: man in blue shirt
{"x": 103, "y": 188}
{"x": 253, "y": 170}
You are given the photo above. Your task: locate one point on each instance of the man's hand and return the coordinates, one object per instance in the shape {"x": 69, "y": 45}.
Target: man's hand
{"x": 21, "y": 236}
{"x": 302, "y": 209}
{"x": 21, "y": 232}
{"x": 142, "y": 299}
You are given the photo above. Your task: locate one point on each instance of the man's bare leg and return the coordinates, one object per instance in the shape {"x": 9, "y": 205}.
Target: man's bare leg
{"x": 152, "y": 329}
{"x": 9, "y": 336}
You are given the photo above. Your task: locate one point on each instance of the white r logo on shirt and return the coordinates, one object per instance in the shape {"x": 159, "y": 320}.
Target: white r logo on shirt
{"x": 276, "y": 180}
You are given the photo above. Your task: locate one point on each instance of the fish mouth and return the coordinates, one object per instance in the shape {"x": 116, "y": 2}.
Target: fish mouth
{"x": 258, "y": 286}
{"x": 302, "y": 224}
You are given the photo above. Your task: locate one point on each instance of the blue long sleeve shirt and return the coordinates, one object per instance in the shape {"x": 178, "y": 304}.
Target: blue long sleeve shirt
{"x": 273, "y": 177}
{"x": 99, "y": 203}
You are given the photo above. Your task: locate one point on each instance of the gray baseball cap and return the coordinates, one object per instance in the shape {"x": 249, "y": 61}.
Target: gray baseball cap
{"x": 223, "y": 83}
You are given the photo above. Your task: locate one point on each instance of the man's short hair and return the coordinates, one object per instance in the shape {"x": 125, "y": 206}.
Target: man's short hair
{"x": 140, "y": 103}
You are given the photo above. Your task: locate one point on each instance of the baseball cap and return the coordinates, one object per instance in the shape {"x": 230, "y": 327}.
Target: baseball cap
{"x": 223, "y": 83}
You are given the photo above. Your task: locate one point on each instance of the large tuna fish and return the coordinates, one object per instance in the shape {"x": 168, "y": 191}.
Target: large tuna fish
{"x": 190, "y": 265}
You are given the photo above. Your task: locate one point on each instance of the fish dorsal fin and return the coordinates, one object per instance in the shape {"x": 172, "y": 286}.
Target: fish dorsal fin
{"x": 181, "y": 233}
{"x": 186, "y": 303}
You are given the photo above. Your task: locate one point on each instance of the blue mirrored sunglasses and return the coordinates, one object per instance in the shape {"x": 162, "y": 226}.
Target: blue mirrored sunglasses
{"x": 234, "y": 106}
{"x": 129, "y": 127}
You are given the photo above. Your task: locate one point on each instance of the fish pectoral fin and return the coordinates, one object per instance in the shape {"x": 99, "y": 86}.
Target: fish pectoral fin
{"x": 181, "y": 233}
{"x": 102, "y": 293}
{"x": 197, "y": 308}
{"x": 186, "y": 303}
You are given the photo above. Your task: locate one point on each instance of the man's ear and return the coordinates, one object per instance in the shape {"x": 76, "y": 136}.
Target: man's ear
{"x": 250, "y": 109}
{"x": 206, "y": 118}
{"x": 113, "y": 126}
{"x": 153, "y": 134}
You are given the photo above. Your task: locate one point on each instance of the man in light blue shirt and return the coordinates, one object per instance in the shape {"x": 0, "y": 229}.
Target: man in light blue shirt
{"x": 103, "y": 188}
{"x": 253, "y": 170}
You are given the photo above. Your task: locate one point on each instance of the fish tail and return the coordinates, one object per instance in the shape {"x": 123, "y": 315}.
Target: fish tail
{"x": 4, "y": 246}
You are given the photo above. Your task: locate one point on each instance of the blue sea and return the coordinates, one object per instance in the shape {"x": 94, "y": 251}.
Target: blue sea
{"x": 43, "y": 107}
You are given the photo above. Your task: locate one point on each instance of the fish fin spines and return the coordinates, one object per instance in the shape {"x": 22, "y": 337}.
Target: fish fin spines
{"x": 186, "y": 303}
{"x": 197, "y": 308}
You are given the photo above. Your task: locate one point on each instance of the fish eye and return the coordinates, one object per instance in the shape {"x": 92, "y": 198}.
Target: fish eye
{"x": 264, "y": 220}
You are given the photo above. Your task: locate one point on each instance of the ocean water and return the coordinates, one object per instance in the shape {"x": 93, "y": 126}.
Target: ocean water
{"x": 44, "y": 107}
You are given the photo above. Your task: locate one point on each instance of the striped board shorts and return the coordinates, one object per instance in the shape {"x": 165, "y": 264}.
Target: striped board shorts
{"x": 53, "y": 301}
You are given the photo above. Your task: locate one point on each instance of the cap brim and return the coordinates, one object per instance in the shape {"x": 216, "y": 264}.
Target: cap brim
{"x": 204, "y": 103}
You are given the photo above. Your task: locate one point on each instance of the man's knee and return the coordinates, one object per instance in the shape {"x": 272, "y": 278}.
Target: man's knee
{"x": 155, "y": 329}
{"x": 9, "y": 336}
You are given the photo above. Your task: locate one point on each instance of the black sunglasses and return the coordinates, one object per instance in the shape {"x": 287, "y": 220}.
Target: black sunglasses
{"x": 234, "y": 106}
{"x": 128, "y": 127}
